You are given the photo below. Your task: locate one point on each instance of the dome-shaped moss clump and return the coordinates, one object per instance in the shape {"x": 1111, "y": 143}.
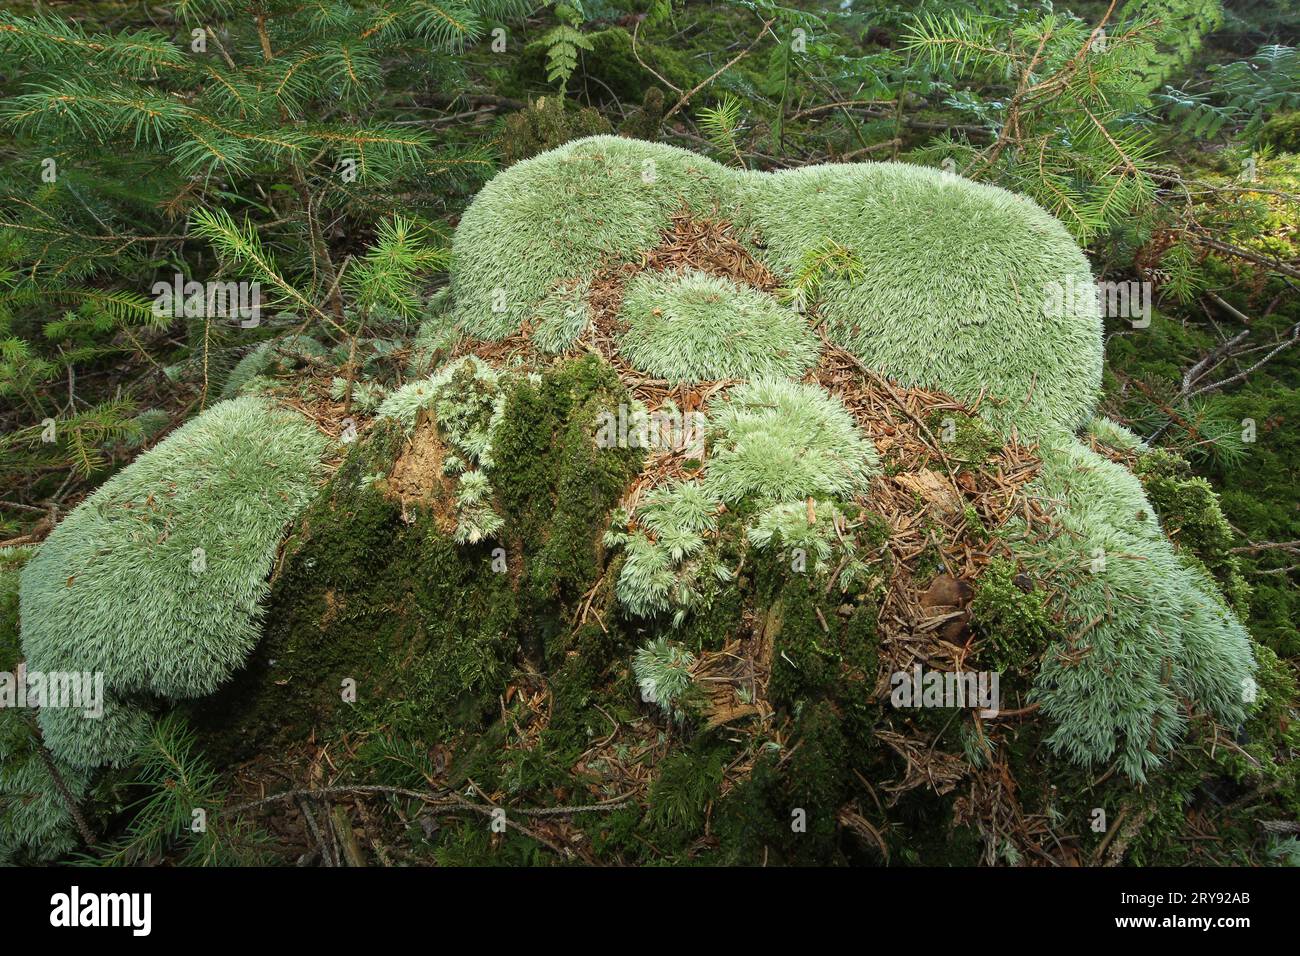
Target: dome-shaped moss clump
{"x": 156, "y": 580}
{"x": 696, "y": 327}
{"x": 953, "y": 284}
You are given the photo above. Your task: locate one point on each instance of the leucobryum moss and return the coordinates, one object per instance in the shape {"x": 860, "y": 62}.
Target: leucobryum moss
{"x": 1115, "y": 435}
{"x": 670, "y": 555}
{"x": 774, "y": 444}
{"x": 12, "y": 560}
{"x": 558, "y": 216}
{"x": 1148, "y": 628}
{"x": 562, "y": 316}
{"x": 787, "y": 526}
{"x": 35, "y": 826}
{"x": 960, "y": 286}
{"x": 663, "y": 674}
{"x": 776, "y": 441}
{"x": 982, "y": 294}
{"x": 691, "y": 327}
{"x": 156, "y": 580}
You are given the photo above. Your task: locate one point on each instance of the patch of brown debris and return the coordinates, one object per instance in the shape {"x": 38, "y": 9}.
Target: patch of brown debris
{"x": 417, "y": 477}
{"x": 940, "y": 511}
{"x": 711, "y": 246}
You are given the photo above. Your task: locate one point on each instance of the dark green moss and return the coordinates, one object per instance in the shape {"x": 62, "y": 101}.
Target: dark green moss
{"x": 545, "y": 124}
{"x": 425, "y": 628}
{"x": 556, "y": 487}
{"x": 1011, "y": 617}
{"x": 805, "y": 661}
{"x": 924, "y": 833}
{"x": 1250, "y": 494}
{"x": 614, "y": 836}
{"x": 580, "y": 690}
{"x": 1163, "y": 350}
{"x": 964, "y": 438}
{"x": 786, "y": 812}
{"x": 682, "y": 792}
{"x": 721, "y": 617}
{"x": 709, "y": 627}
{"x": 1190, "y": 514}
{"x": 1271, "y": 737}
{"x": 824, "y": 644}
{"x": 1282, "y": 133}
{"x": 1253, "y": 476}
{"x": 752, "y": 822}
{"x": 646, "y": 121}
{"x": 819, "y": 778}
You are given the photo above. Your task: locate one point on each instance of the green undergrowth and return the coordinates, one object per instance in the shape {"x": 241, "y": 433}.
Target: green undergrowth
{"x": 612, "y": 65}
{"x": 1189, "y": 511}
{"x": 1251, "y": 494}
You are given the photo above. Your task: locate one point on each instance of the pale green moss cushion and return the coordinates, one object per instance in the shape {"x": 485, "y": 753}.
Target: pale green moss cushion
{"x": 776, "y": 441}
{"x": 558, "y": 216}
{"x": 952, "y": 296}
{"x": 691, "y": 327}
{"x": 956, "y": 277}
{"x": 1152, "y": 629}
{"x": 156, "y": 580}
